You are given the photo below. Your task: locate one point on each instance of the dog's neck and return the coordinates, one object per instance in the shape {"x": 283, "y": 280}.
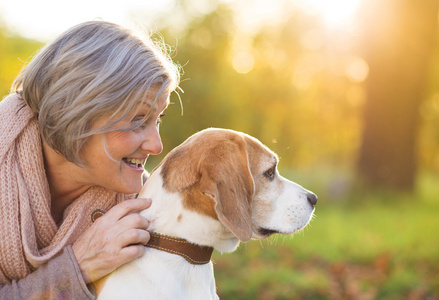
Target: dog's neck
{"x": 168, "y": 216}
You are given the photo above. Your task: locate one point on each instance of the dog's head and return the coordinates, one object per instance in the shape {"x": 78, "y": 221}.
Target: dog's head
{"x": 232, "y": 177}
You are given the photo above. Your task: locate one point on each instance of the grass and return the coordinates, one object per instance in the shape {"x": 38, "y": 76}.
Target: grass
{"x": 374, "y": 245}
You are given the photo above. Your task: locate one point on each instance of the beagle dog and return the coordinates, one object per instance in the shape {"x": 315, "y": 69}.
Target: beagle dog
{"x": 216, "y": 189}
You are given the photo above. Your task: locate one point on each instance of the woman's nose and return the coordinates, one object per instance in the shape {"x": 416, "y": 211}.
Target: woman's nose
{"x": 152, "y": 142}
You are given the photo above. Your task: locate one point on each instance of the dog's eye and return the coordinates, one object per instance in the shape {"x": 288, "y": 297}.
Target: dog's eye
{"x": 270, "y": 173}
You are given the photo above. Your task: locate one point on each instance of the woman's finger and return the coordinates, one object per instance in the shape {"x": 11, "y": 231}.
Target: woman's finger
{"x": 126, "y": 207}
{"x": 133, "y": 220}
{"x": 129, "y": 253}
{"x": 133, "y": 237}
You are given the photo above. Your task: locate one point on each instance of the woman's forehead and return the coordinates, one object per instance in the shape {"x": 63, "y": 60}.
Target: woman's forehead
{"x": 159, "y": 104}
{"x": 143, "y": 108}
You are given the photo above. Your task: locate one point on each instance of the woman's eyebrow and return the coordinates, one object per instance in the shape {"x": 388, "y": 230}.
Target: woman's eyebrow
{"x": 154, "y": 109}
{"x": 149, "y": 106}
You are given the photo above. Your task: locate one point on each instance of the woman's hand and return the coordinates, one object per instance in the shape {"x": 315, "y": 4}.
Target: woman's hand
{"x": 113, "y": 240}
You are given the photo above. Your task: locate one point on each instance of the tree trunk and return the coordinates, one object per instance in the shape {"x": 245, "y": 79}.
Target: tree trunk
{"x": 399, "y": 41}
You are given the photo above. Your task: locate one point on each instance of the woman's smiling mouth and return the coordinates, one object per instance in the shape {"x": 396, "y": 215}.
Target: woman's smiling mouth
{"x": 134, "y": 163}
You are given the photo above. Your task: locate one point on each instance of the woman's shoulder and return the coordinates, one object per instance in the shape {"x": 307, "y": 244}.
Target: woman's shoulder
{"x": 14, "y": 117}
{"x": 11, "y": 101}
{"x": 12, "y": 96}
{"x": 13, "y": 106}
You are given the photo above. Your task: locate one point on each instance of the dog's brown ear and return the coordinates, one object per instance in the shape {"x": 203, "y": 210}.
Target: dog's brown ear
{"x": 226, "y": 178}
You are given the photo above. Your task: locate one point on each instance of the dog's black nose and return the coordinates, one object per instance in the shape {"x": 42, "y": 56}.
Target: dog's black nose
{"x": 312, "y": 198}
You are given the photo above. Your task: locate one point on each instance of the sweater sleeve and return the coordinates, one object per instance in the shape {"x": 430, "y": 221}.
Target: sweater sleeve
{"x": 59, "y": 278}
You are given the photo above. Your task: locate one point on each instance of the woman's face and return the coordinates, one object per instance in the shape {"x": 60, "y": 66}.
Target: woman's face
{"x": 118, "y": 165}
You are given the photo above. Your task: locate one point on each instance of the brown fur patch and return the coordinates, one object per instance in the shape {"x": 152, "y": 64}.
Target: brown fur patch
{"x": 256, "y": 152}
{"x": 196, "y": 201}
{"x": 179, "y": 167}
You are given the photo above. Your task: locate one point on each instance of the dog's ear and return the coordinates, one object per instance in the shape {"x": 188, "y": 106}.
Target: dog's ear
{"x": 226, "y": 178}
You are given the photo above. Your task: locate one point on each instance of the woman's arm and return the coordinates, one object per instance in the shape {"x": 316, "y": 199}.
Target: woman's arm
{"x": 113, "y": 240}
{"x": 59, "y": 278}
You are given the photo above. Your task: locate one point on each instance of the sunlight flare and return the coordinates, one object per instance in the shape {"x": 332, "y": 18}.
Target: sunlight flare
{"x": 243, "y": 62}
{"x": 335, "y": 13}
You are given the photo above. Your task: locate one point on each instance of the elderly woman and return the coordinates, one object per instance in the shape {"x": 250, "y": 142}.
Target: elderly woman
{"x": 82, "y": 120}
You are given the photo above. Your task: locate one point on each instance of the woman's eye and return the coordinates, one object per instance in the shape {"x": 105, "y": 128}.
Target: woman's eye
{"x": 270, "y": 173}
{"x": 139, "y": 124}
{"x": 159, "y": 119}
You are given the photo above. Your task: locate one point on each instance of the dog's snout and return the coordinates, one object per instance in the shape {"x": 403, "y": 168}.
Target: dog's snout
{"x": 312, "y": 198}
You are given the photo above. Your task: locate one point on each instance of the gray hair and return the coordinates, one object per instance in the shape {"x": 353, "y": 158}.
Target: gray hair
{"x": 93, "y": 70}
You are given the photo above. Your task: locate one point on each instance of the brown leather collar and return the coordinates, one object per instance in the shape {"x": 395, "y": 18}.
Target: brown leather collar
{"x": 194, "y": 254}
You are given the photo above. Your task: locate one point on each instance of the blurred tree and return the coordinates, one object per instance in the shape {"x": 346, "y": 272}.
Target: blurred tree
{"x": 289, "y": 97}
{"x": 399, "y": 37}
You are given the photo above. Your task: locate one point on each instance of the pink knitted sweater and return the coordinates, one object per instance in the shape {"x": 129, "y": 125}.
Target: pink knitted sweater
{"x": 28, "y": 234}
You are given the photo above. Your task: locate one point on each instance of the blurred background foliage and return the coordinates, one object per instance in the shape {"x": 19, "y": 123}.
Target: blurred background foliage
{"x": 351, "y": 108}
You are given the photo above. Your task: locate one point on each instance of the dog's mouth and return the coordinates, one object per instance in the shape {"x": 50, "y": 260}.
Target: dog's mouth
{"x": 267, "y": 232}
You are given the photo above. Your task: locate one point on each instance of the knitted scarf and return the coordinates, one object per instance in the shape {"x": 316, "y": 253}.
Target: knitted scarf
{"x": 29, "y": 236}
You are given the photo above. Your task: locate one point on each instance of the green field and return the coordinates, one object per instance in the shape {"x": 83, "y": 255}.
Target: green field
{"x": 360, "y": 245}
